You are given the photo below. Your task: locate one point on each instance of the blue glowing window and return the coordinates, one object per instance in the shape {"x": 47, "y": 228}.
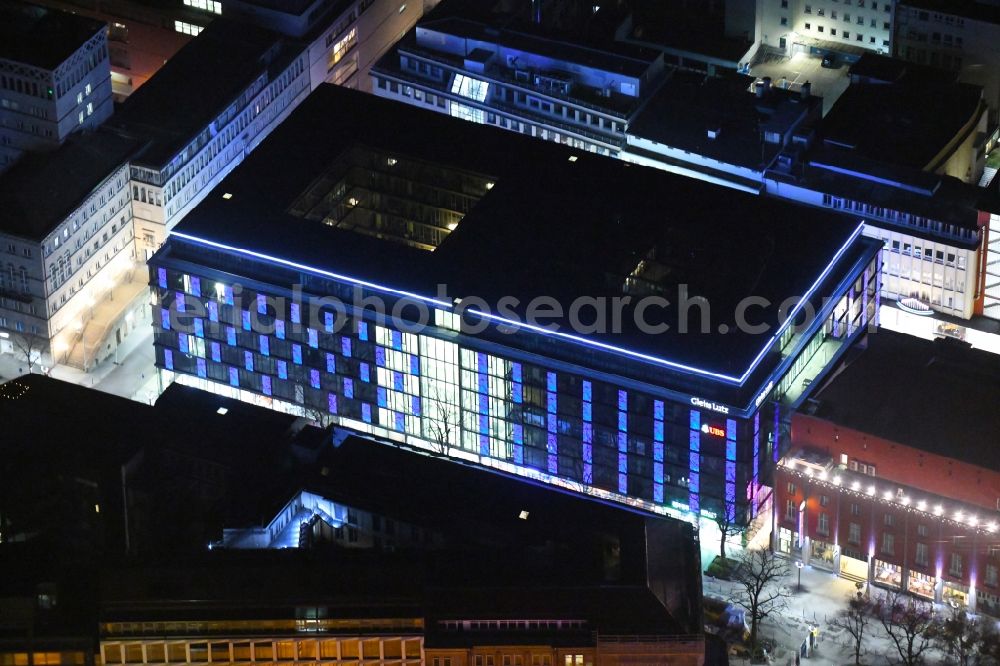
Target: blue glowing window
{"x": 165, "y": 318}
{"x": 588, "y": 473}
{"x": 363, "y": 331}
{"x": 484, "y": 425}
{"x": 731, "y": 471}
{"x": 234, "y": 377}
{"x": 345, "y": 346}
{"x": 518, "y": 434}
{"x": 314, "y": 378}
{"x": 313, "y": 336}
{"x": 265, "y": 346}
{"x": 245, "y": 317}
{"x": 331, "y": 403}
{"x": 227, "y": 294}
{"x": 261, "y": 304}
{"x": 622, "y": 462}
{"x": 730, "y": 429}
{"x": 366, "y": 413}
{"x": 695, "y": 420}
{"x": 658, "y": 492}
{"x": 588, "y": 391}
{"x": 694, "y": 502}
{"x": 202, "y": 371}
{"x": 518, "y": 393}
{"x": 658, "y": 472}
{"x": 297, "y": 354}
{"x": 658, "y": 410}
{"x": 401, "y": 424}
{"x": 622, "y": 421}
{"x": 199, "y": 328}
{"x": 588, "y": 453}
{"x": 414, "y": 365}
{"x": 230, "y": 336}
{"x": 265, "y": 382}
{"x": 168, "y": 359}
{"x": 550, "y": 381}
{"x": 588, "y": 411}
{"x": 415, "y": 405}
{"x": 588, "y": 432}
{"x": 213, "y": 311}
{"x": 550, "y": 443}
{"x": 730, "y": 495}
{"x": 518, "y": 455}
{"x": 364, "y": 370}
{"x": 484, "y": 404}
{"x": 515, "y": 372}
{"x": 216, "y": 352}
{"x": 694, "y": 461}
{"x": 296, "y": 312}
{"x": 551, "y": 422}
{"x": 161, "y": 277}
{"x": 623, "y": 483}
{"x": 484, "y": 445}
{"x": 694, "y": 440}
{"x": 622, "y": 442}
{"x": 550, "y": 403}
{"x": 484, "y": 383}
{"x": 658, "y": 431}
{"x": 694, "y": 484}
{"x": 248, "y": 361}
{"x": 552, "y": 464}
{"x": 180, "y": 301}
{"x": 658, "y": 451}
{"x": 279, "y": 329}
{"x": 348, "y": 387}
{"x": 622, "y": 401}
{"x": 328, "y": 322}
{"x": 331, "y": 363}
{"x": 730, "y": 450}
{"x": 196, "y": 286}
{"x": 282, "y": 370}
{"x": 397, "y": 340}
{"x": 380, "y": 357}
{"x": 182, "y": 342}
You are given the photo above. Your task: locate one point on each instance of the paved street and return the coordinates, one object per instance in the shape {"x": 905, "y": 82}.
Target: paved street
{"x": 823, "y": 595}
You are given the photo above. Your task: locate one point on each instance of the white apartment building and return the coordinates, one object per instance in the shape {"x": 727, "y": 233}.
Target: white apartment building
{"x": 790, "y": 26}
{"x": 55, "y": 78}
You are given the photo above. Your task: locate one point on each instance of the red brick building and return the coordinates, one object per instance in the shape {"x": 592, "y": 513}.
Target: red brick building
{"x": 893, "y": 473}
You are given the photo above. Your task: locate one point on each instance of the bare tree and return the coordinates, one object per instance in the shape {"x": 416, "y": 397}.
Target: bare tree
{"x": 442, "y": 421}
{"x": 758, "y": 575}
{"x": 728, "y": 526}
{"x": 855, "y": 620}
{"x": 910, "y": 626}
{"x": 29, "y": 346}
{"x": 960, "y": 637}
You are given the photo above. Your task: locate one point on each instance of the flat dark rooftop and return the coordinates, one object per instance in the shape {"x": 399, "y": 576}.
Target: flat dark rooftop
{"x": 549, "y": 226}
{"x": 971, "y": 9}
{"x": 689, "y": 104}
{"x": 41, "y": 36}
{"x": 195, "y": 86}
{"x": 938, "y": 396}
{"x": 906, "y": 123}
{"x": 41, "y": 189}
{"x": 683, "y": 25}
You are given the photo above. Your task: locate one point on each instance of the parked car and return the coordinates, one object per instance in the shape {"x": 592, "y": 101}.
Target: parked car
{"x": 829, "y": 61}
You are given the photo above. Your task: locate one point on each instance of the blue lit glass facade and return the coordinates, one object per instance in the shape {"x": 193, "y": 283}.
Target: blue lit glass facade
{"x": 611, "y": 436}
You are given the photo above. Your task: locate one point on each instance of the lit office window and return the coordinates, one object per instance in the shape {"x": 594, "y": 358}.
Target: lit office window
{"x": 470, "y": 88}
{"x": 207, "y": 5}
{"x": 187, "y": 28}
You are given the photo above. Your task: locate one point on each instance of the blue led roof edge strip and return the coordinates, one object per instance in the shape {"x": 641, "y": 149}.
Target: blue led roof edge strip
{"x": 538, "y": 329}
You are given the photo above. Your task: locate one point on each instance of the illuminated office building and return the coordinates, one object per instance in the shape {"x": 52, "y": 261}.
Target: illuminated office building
{"x": 683, "y": 421}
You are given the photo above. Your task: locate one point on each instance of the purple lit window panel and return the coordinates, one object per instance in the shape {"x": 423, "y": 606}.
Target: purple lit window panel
{"x": 730, "y": 429}
{"x": 165, "y": 319}
{"x": 230, "y": 336}
{"x": 552, "y": 464}
{"x": 588, "y": 453}
{"x": 695, "y": 420}
{"x": 658, "y": 492}
{"x": 297, "y": 354}
{"x": 265, "y": 346}
{"x": 777, "y": 432}
{"x": 348, "y": 387}
{"x": 202, "y": 370}
{"x": 199, "y": 328}
{"x": 518, "y": 434}
{"x": 622, "y": 462}
{"x": 588, "y": 391}
{"x": 345, "y": 346}
{"x": 182, "y": 343}
{"x": 245, "y": 319}
{"x": 282, "y": 370}
{"x": 279, "y": 329}
{"x": 314, "y": 378}
{"x": 483, "y": 383}
{"x": 296, "y": 313}
{"x": 515, "y": 372}
{"x": 623, "y": 484}
{"x": 364, "y": 371}
{"x": 622, "y": 421}
{"x": 363, "y": 331}
{"x": 196, "y": 286}
{"x": 622, "y": 442}
{"x": 400, "y": 421}
{"x": 328, "y": 320}
{"x": 658, "y": 451}
{"x": 380, "y": 357}
{"x": 366, "y": 413}
{"x": 484, "y": 445}
{"x": 694, "y": 440}
{"x": 216, "y": 352}
{"x": 414, "y": 364}
{"x": 731, "y": 472}
{"x": 261, "y": 304}
{"x": 161, "y": 277}
{"x": 168, "y": 359}
{"x": 658, "y": 410}
{"x": 551, "y": 446}
{"x": 415, "y": 405}
{"x": 234, "y": 377}
{"x": 518, "y": 393}
{"x": 551, "y": 423}
{"x": 622, "y": 401}
{"x": 397, "y": 379}
{"x": 382, "y": 398}
{"x": 227, "y": 294}
{"x": 730, "y": 492}
{"x": 331, "y": 403}
{"x": 658, "y": 472}
{"x": 213, "y": 311}
{"x": 484, "y": 425}
{"x": 331, "y": 363}
{"x": 248, "y": 361}
{"x": 265, "y": 382}
{"x": 484, "y": 403}
{"x": 313, "y": 336}
{"x": 694, "y": 503}
{"x": 588, "y": 433}
{"x": 694, "y": 461}
{"x": 588, "y": 473}
{"x": 180, "y": 301}
{"x": 397, "y": 340}
{"x": 550, "y": 381}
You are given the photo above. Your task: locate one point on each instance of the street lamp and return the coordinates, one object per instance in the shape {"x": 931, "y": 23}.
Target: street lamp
{"x": 799, "y": 565}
